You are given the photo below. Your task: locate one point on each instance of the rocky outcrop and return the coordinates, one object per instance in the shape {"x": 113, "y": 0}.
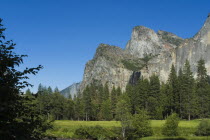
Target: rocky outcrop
{"x": 116, "y": 66}
{"x": 71, "y": 90}
{"x": 107, "y": 67}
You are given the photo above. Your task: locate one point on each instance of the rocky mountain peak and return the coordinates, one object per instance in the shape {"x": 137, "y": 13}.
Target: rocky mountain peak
{"x": 106, "y": 50}
{"x": 118, "y": 67}
{"x": 143, "y": 41}
{"x": 204, "y": 34}
{"x": 170, "y": 38}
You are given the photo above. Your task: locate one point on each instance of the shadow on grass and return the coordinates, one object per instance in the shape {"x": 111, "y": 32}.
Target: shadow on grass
{"x": 173, "y": 139}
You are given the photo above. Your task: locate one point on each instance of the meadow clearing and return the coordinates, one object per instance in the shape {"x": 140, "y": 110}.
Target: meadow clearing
{"x": 66, "y": 129}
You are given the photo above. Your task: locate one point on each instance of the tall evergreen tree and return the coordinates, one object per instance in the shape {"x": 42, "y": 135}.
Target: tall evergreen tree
{"x": 118, "y": 92}
{"x": 87, "y": 103}
{"x": 180, "y": 93}
{"x": 113, "y": 101}
{"x": 154, "y": 97}
{"x": 106, "y": 110}
{"x": 143, "y": 94}
{"x": 28, "y": 92}
{"x": 189, "y": 97}
{"x": 131, "y": 95}
{"x": 49, "y": 89}
{"x": 202, "y": 89}
{"x": 79, "y": 108}
{"x": 106, "y": 92}
{"x": 173, "y": 82}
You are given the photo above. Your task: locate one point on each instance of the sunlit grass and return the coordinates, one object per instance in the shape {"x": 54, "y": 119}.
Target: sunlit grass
{"x": 66, "y": 128}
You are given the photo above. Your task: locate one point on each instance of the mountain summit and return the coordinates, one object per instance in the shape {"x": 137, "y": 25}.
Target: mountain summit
{"x": 116, "y": 67}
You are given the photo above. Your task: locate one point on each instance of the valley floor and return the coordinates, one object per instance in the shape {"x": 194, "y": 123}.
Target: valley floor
{"x": 66, "y": 129}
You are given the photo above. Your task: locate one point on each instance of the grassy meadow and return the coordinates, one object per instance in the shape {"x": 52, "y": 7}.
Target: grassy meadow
{"x": 66, "y": 129}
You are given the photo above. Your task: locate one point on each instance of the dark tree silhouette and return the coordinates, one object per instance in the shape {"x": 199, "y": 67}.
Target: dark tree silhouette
{"x": 19, "y": 118}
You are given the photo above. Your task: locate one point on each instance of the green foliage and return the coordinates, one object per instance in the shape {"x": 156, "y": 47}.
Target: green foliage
{"x": 130, "y": 65}
{"x": 172, "y": 40}
{"x": 189, "y": 96}
{"x": 141, "y": 125}
{"x": 113, "y": 102}
{"x": 170, "y": 127}
{"x": 203, "y": 128}
{"x": 106, "y": 110}
{"x": 65, "y": 129}
{"x": 95, "y": 133}
{"x": 19, "y": 116}
{"x": 202, "y": 89}
{"x": 154, "y": 97}
{"x": 123, "y": 113}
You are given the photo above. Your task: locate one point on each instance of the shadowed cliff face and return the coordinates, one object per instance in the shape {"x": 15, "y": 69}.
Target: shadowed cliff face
{"x": 113, "y": 65}
{"x": 134, "y": 78}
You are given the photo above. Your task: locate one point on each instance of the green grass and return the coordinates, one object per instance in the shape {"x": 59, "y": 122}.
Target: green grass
{"x": 66, "y": 129}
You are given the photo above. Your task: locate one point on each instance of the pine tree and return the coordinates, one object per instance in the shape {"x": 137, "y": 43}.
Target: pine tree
{"x": 180, "y": 92}
{"x": 154, "y": 96}
{"x": 132, "y": 97}
{"x": 189, "y": 99}
{"x": 118, "y": 92}
{"x": 105, "y": 92}
{"x": 169, "y": 102}
{"x": 87, "y": 103}
{"x": 56, "y": 89}
{"x": 79, "y": 108}
{"x": 202, "y": 89}
{"x": 143, "y": 94}
{"x": 28, "y": 92}
{"x": 49, "y": 89}
{"x": 113, "y": 101}
{"x": 173, "y": 82}
{"x": 106, "y": 110}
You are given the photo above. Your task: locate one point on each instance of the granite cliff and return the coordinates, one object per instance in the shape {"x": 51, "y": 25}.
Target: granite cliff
{"x": 117, "y": 66}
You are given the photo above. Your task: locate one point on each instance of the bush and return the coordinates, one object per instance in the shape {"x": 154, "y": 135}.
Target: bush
{"x": 82, "y": 133}
{"x": 141, "y": 125}
{"x": 94, "y": 133}
{"x": 203, "y": 128}
{"x": 170, "y": 128}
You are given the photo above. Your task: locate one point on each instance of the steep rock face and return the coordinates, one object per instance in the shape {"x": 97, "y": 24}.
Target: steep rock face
{"x": 161, "y": 45}
{"x": 71, "y": 90}
{"x": 195, "y": 48}
{"x": 113, "y": 65}
{"x": 106, "y": 66}
{"x": 143, "y": 40}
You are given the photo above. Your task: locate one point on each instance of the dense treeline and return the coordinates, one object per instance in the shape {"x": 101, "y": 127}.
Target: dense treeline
{"x": 181, "y": 94}
{"x": 52, "y": 104}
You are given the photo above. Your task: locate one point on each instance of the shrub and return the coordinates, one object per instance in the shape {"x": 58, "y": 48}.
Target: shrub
{"x": 141, "y": 125}
{"x": 95, "y": 133}
{"x": 170, "y": 127}
{"x": 203, "y": 128}
{"x": 82, "y": 133}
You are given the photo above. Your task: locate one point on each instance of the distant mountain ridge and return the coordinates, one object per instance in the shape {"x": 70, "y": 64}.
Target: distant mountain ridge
{"x": 71, "y": 90}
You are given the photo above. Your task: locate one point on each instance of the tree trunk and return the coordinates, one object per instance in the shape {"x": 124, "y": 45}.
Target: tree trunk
{"x": 86, "y": 116}
{"x": 189, "y": 117}
{"x": 123, "y": 132}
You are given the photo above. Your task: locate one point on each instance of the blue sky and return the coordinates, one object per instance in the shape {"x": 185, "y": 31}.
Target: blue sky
{"x": 62, "y": 35}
